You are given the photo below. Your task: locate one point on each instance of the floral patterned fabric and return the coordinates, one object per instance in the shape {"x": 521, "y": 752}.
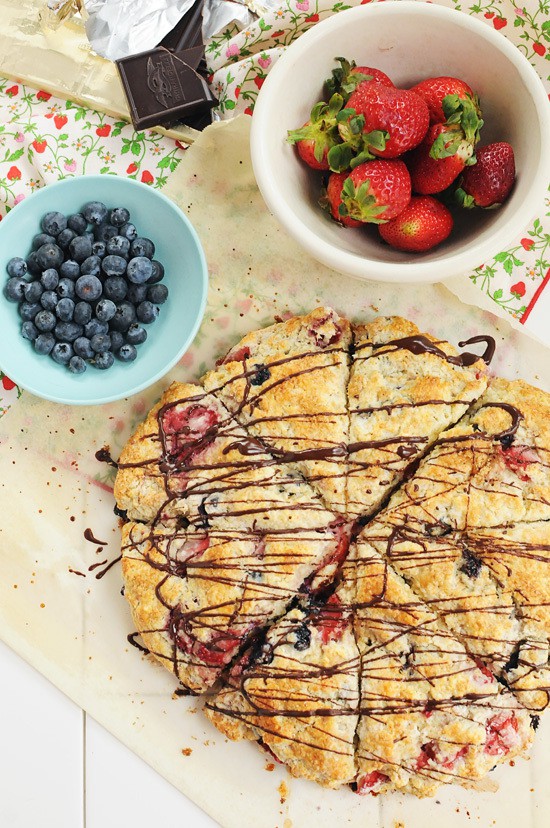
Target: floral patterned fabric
{"x": 43, "y": 139}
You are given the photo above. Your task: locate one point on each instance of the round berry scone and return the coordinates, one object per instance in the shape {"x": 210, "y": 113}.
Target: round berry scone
{"x": 341, "y": 535}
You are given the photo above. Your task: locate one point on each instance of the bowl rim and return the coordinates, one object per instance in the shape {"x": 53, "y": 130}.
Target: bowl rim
{"x": 361, "y": 266}
{"x": 67, "y": 399}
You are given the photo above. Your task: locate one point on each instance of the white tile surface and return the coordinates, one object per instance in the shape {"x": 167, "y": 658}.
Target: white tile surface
{"x": 123, "y": 790}
{"x": 41, "y": 761}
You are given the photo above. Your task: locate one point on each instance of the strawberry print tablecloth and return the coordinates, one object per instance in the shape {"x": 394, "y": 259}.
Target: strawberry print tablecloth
{"x": 43, "y": 139}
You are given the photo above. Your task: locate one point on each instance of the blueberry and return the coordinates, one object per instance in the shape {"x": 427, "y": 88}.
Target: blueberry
{"x": 50, "y": 279}
{"x": 49, "y": 255}
{"x": 77, "y": 365}
{"x": 15, "y": 289}
{"x": 62, "y": 353}
{"x": 91, "y": 266}
{"x": 105, "y": 232}
{"x": 113, "y": 265}
{"x": 104, "y": 360}
{"x": 124, "y": 316}
{"x": 127, "y": 353}
{"x": 28, "y": 310}
{"x": 82, "y": 313}
{"x": 70, "y": 269}
{"x": 33, "y": 291}
{"x": 157, "y": 274}
{"x": 49, "y": 300}
{"x": 80, "y": 248}
{"x": 78, "y": 223}
{"x": 32, "y": 264}
{"x": 42, "y": 238}
{"x": 302, "y": 637}
{"x": 94, "y": 212}
{"x": 99, "y": 248}
{"x": 261, "y": 375}
{"x": 118, "y": 246}
{"x": 65, "y": 309}
{"x": 45, "y": 321}
{"x": 17, "y": 267}
{"x": 157, "y": 294}
{"x": 100, "y": 342}
{"x": 68, "y": 331}
{"x": 115, "y": 288}
{"x": 137, "y": 293}
{"x": 94, "y": 326}
{"x": 65, "y": 288}
{"x": 119, "y": 216}
{"x": 44, "y": 343}
{"x": 83, "y": 348}
{"x": 88, "y": 288}
{"x": 29, "y": 330}
{"x": 117, "y": 340}
{"x": 65, "y": 238}
{"x": 147, "y": 312}
{"x": 128, "y": 231}
{"x": 53, "y": 223}
{"x": 142, "y": 247}
{"x": 139, "y": 270}
{"x": 136, "y": 334}
{"x": 105, "y": 310}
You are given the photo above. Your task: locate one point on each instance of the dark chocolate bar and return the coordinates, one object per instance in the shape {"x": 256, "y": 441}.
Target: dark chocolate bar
{"x": 188, "y": 32}
{"x": 162, "y": 87}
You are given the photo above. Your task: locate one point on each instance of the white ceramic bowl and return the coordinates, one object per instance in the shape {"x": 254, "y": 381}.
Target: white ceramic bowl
{"x": 409, "y": 41}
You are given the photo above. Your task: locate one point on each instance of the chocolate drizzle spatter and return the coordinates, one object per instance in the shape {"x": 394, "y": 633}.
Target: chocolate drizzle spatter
{"x": 185, "y": 453}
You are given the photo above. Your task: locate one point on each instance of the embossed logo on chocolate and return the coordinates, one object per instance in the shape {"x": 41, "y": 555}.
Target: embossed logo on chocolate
{"x": 163, "y": 80}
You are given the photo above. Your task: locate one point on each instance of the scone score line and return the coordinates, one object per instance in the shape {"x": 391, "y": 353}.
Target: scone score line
{"x": 390, "y": 652}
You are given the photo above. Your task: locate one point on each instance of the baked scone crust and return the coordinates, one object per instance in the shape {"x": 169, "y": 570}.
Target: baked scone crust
{"x": 415, "y": 657}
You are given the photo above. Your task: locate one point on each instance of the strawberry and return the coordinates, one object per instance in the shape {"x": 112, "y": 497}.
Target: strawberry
{"x": 488, "y": 182}
{"x": 315, "y": 139}
{"x": 375, "y": 191}
{"x": 433, "y": 170}
{"x": 433, "y": 90}
{"x": 399, "y": 112}
{"x": 347, "y": 77}
{"x": 423, "y": 224}
{"x": 332, "y": 200}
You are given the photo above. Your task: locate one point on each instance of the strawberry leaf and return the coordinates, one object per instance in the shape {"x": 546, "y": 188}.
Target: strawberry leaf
{"x": 340, "y": 157}
{"x": 464, "y": 199}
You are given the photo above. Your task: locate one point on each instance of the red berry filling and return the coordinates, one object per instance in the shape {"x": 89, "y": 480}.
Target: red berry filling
{"x": 325, "y": 331}
{"x": 371, "y": 782}
{"x": 188, "y": 430}
{"x": 486, "y": 673}
{"x": 215, "y": 653}
{"x": 235, "y": 356}
{"x": 431, "y": 752}
{"x": 502, "y": 734}
{"x": 332, "y": 620}
{"x": 517, "y": 458}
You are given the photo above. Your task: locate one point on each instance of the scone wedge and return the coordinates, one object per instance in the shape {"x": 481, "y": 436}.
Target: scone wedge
{"x": 296, "y": 691}
{"x": 406, "y": 387}
{"x": 287, "y": 384}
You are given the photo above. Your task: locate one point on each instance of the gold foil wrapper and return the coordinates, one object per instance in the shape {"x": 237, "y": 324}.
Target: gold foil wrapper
{"x": 60, "y": 60}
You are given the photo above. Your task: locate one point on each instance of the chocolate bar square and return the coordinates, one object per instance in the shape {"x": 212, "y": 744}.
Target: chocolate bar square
{"x": 162, "y": 87}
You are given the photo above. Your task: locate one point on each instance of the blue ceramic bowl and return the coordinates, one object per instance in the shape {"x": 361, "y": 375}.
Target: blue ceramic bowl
{"x": 186, "y": 276}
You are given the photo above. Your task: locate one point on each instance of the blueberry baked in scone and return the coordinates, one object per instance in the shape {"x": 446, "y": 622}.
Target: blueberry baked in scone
{"x": 430, "y": 715}
{"x": 405, "y": 388}
{"x": 287, "y": 384}
{"x": 296, "y": 691}
{"x": 470, "y": 533}
{"x": 416, "y": 656}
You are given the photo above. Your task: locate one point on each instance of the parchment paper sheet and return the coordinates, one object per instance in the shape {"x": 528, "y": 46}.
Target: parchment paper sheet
{"x": 74, "y": 628}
